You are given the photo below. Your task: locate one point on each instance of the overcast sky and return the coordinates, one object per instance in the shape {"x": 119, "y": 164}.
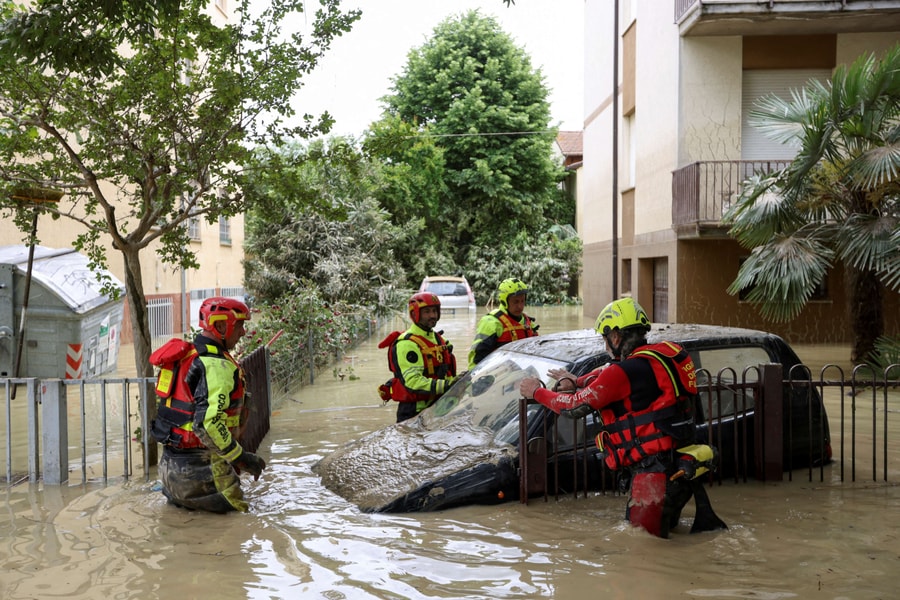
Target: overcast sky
{"x": 351, "y": 78}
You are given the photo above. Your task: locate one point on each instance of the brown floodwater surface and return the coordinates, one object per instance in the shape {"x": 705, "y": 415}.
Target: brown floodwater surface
{"x": 793, "y": 539}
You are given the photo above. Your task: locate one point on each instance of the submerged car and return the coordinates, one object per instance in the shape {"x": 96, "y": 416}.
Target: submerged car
{"x": 465, "y": 448}
{"x": 454, "y": 292}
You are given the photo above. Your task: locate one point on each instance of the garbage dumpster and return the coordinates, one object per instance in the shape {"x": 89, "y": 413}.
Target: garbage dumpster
{"x": 71, "y": 329}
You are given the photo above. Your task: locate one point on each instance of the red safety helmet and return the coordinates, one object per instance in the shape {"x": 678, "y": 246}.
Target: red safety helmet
{"x": 420, "y": 301}
{"x": 219, "y": 308}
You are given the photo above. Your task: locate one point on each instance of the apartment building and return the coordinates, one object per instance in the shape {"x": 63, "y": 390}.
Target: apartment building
{"x": 668, "y": 86}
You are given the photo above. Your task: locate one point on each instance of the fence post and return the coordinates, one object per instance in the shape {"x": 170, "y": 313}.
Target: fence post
{"x": 55, "y": 431}
{"x": 769, "y": 429}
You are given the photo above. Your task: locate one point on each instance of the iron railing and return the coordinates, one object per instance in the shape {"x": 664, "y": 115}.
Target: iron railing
{"x": 703, "y": 191}
{"x": 48, "y": 439}
{"x": 775, "y": 444}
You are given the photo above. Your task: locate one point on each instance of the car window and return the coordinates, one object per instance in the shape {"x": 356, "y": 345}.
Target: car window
{"x": 446, "y": 288}
{"x": 489, "y": 394}
{"x": 727, "y": 365}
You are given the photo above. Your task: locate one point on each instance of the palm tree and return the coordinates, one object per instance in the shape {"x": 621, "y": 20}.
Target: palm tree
{"x": 838, "y": 201}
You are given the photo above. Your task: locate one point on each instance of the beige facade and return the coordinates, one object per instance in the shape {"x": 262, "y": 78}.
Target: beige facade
{"x": 686, "y": 73}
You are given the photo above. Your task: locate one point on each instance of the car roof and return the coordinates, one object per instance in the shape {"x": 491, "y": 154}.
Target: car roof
{"x": 444, "y": 278}
{"x": 578, "y": 345}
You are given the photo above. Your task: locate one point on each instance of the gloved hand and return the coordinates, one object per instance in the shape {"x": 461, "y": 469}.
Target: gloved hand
{"x": 250, "y": 463}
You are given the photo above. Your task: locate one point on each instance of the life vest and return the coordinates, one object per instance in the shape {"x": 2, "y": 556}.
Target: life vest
{"x": 653, "y": 418}
{"x": 439, "y": 362}
{"x": 174, "y": 422}
{"x": 513, "y": 329}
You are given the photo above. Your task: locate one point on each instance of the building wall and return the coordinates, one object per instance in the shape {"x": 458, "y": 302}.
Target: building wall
{"x": 709, "y": 100}
{"x": 687, "y": 107}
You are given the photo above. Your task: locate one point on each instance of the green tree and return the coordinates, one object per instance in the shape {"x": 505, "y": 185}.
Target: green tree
{"x": 81, "y": 34}
{"x": 475, "y": 93}
{"x": 412, "y": 190}
{"x": 314, "y": 220}
{"x": 837, "y": 201}
{"x": 157, "y": 139}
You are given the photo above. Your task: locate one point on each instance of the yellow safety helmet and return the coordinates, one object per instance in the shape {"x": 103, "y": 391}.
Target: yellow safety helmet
{"x": 621, "y": 314}
{"x": 510, "y": 287}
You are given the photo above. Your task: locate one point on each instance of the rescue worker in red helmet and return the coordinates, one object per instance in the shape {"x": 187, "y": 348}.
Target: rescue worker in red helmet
{"x": 420, "y": 359}
{"x": 200, "y": 415}
{"x": 645, "y": 399}
{"x": 504, "y": 325}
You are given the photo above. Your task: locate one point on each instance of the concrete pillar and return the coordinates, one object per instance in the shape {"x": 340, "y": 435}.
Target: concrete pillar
{"x": 55, "y": 432}
{"x": 769, "y": 428}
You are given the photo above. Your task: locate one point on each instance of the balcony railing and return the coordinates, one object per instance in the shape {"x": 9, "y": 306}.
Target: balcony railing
{"x": 703, "y": 191}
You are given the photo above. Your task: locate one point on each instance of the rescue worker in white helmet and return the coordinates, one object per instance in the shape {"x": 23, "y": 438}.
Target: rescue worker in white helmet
{"x": 201, "y": 395}
{"x": 506, "y": 324}
{"x": 645, "y": 399}
{"x": 420, "y": 359}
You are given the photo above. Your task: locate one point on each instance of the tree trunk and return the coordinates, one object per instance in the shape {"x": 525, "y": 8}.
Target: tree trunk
{"x": 140, "y": 327}
{"x": 866, "y": 306}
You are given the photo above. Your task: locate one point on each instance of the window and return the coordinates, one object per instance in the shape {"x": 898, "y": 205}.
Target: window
{"x": 224, "y": 231}
{"x": 626, "y": 276}
{"x": 727, "y": 366}
{"x": 194, "y": 228}
{"x": 661, "y": 290}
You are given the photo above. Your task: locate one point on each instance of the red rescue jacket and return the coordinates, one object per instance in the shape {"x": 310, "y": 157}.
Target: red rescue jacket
{"x": 513, "y": 329}
{"x": 174, "y": 421}
{"x": 439, "y": 362}
{"x": 658, "y": 414}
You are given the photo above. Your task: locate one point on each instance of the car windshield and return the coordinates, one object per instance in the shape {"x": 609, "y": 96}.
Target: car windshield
{"x": 446, "y": 288}
{"x": 489, "y": 395}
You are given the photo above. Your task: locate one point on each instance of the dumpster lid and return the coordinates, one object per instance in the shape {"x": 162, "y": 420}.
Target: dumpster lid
{"x": 64, "y": 272}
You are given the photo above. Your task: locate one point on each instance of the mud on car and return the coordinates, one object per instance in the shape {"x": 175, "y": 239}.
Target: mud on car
{"x": 464, "y": 449}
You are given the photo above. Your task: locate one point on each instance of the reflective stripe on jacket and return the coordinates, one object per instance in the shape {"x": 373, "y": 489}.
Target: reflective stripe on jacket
{"x": 204, "y": 408}
{"x": 422, "y": 363}
{"x": 497, "y": 328}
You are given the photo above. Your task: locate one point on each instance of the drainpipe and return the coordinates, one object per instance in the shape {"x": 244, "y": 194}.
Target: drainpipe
{"x": 615, "y": 153}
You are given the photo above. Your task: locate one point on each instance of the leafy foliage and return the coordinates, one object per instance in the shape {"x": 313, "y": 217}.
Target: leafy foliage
{"x": 475, "y": 93}
{"x": 144, "y": 144}
{"x": 315, "y": 220}
{"x": 467, "y": 148}
{"x": 548, "y": 265}
{"x": 837, "y": 201}
{"x": 886, "y": 353}
{"x": 304, "y": 332}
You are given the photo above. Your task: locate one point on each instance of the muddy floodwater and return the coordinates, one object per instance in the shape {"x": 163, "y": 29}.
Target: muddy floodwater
{"x": 793, "y": 539}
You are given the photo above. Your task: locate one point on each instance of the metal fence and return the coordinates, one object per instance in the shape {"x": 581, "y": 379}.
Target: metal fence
{"x": 161, "y": 314}
{"x": 862, "y": 429}
{"x": 92, "y": 430}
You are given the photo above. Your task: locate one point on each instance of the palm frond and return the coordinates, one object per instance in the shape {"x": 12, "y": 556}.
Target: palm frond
{"x": 867, "y": 241}
{"x": 890, "y": 272}
{"x": 782, "y": 276}
{"x": 784, "y": 120}
{"x": 875, "y": 167}
{"x": 760, "y": 212}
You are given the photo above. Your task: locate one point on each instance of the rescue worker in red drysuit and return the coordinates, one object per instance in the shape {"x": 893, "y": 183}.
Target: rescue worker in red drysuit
{"x": 645, "y": 403}
{"x": 420, "y": 358}
{"x": 197, "y": 423}
{"x": 506, "y": 324}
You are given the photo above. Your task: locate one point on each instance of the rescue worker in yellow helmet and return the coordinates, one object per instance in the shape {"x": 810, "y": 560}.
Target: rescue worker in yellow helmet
{"x": 645, "y": 399}
{"x": 201, "y": 389}
{"x": 504, "y": 325}
{"x": 420, "y": 359}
